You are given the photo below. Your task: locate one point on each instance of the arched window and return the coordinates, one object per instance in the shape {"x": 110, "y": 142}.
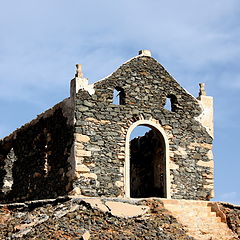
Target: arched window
{"x": 119, "y": 96}
{"x": 146, "y": 166}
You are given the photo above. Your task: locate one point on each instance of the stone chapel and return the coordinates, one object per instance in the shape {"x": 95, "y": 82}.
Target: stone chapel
{"x": 83, "y": 146}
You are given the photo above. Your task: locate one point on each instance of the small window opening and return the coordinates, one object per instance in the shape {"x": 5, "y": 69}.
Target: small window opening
{"x": 118, "y": 96}
{"x": 168, "y": 104}
{"x": 171, "y": 103}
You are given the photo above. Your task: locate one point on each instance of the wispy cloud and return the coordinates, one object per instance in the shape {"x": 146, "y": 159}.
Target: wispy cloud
{"x": 43, "y": 41}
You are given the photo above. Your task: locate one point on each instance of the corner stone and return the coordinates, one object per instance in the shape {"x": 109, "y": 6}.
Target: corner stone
{"x": 81, "y": 138}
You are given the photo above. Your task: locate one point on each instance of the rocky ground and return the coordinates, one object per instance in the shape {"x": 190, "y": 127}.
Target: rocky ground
{"x": 232, "y": 213}
{"x": 77, "y": 218}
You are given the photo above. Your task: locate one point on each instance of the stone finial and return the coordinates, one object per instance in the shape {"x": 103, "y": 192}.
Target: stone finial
{"x": 145, "y": 53}
{"x": 202, "y": 91}
{"x": 79, "y": 72}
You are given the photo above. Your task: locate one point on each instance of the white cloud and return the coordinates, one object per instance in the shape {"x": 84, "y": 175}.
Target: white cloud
{"x": 42, "y": 41}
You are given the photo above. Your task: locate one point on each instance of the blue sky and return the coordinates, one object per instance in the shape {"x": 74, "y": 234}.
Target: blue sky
{"x": 196, "y": 41}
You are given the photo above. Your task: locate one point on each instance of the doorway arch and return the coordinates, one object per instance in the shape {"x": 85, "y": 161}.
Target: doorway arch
{"x": 158, "y": 130}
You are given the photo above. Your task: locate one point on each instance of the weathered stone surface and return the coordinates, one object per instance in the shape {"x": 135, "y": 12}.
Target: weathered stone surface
{"x": 97, "y": 203}
{"x": 39, "y": 154}
{"x": 126, "y": 210}
{"x": 232, "y": 213}
{"x": 81, "y": 220}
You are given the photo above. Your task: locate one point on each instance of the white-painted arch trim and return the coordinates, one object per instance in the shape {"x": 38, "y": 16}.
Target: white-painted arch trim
{"x": 154, "y": 125}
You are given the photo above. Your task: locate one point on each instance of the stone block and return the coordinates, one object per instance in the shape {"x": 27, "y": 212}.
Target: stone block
{"x": 81, "y": 138}
{"x": 82, "y": 168}
{"x": 86, "y": 235}
{"x": 79, "y": 146}
{"x": 76, "y": 191}
{"x": 173, "y": 165}
{"x": 96, "y": 204}
{"x": 210, "y": 154}
{"x": 83, "y": 153}
{"x": 206, "y": 164}
{"x": 92, "y": 120}
{"x": 105, "y": 122}
{"x": 121, "y": 156}
{"x": 79, "y": 160}
{"x": 119, "y": 184}
{"x": 126, "y": 210}
{"x": 89, "y": 175}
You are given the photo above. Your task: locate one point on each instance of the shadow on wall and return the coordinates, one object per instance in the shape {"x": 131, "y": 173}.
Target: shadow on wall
{"x": 34, "y": 164}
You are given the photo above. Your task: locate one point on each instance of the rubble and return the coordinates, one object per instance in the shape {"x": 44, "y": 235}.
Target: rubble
{"x": 76, "y": 218}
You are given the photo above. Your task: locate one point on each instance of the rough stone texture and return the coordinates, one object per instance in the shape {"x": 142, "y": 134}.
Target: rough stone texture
{"x": 146, "y": 86}
{"x": 76, "y": 219}
{"x": 34, "y": 159}
{"x": 8, "y": 178}
{"x": 126, "y": 210}
{"x": 232, "y": 213}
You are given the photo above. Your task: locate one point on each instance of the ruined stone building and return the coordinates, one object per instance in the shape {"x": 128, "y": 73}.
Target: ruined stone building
{"x": 82, "y": 145}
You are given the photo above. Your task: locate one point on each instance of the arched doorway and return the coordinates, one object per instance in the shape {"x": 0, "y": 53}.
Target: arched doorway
{"x": 146, "y": 166}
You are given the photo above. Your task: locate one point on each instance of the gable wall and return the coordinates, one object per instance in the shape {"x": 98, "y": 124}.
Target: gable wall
{"x": 101, "y": 158}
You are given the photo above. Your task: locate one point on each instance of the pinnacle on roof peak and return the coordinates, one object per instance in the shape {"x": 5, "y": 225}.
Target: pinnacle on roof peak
{"x": 79, "y": 72}
{"x": 202, "y": 91}
{"x": 145, "y": 53}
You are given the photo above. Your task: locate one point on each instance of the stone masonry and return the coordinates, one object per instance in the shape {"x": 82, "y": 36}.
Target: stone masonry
{"x": 82, "y": 145}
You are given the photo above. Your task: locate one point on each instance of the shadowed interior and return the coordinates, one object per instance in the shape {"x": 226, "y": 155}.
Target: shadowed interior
{"x": 148, "y": 166}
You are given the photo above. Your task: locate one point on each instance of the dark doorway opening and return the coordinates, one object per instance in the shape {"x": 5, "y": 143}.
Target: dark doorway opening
{"x": 147, "y": 163}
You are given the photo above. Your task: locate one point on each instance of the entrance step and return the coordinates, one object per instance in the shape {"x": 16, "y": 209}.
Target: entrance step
{"x": 199, "y": 219}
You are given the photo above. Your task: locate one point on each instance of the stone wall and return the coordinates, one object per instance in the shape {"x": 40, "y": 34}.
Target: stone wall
{"x": 34, "y": 160}
{"x": 145, "y": 86}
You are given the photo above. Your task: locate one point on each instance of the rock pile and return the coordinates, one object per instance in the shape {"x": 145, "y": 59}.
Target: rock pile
{"x": 232, "y": 213}
{"x": 80, "y": 218}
